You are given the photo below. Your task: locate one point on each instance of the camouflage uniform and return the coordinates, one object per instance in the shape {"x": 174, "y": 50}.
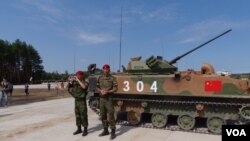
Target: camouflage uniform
{"x": 80, "y": 103}
{"x": 106, "y": 104}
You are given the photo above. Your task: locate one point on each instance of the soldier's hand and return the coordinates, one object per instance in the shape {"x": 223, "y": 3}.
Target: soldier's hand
{"x": 103, "y": 92}
{"x": 76, "y": 78}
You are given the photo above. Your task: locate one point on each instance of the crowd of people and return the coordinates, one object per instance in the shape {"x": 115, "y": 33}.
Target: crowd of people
{"x": 6, "y": 90}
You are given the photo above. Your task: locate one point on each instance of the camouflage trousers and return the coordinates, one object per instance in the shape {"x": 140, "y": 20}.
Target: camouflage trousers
{"x": 107, "y": 112}
{"x": 81, "y": 112}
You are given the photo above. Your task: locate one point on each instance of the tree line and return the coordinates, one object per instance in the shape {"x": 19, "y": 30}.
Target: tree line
{"x": 19, "y": 61}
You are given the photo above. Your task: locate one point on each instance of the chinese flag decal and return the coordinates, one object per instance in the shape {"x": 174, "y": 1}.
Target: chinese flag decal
{"x": 213, "y": 86}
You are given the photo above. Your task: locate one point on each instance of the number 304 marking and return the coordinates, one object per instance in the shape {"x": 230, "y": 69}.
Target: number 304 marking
{"x": 126, "y": 87}
{"x": 140, "y": 86}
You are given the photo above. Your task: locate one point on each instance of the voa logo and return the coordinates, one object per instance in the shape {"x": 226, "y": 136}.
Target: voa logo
{"x": 236, "y": 132}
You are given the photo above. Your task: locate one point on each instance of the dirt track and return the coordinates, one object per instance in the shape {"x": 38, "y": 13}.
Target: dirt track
{"x": 29, "y": 120}
{"x": 35, "y": 95}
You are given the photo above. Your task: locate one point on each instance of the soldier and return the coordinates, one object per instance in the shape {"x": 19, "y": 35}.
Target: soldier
{"x": 78, "y": 89}
{"x": 106, "y": 86}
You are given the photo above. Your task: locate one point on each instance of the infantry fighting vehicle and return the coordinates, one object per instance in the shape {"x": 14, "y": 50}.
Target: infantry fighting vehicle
{"x": 156, "y": 87}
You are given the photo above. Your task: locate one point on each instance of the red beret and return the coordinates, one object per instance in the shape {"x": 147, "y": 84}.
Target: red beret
{"x": 79, "y": 73}
{"x": 106, "y": 66}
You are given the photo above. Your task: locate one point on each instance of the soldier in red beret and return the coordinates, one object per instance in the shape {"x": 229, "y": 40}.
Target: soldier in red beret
{"x": 106, "y": 67}
{"x": 106, "y": 86}
{"x": 78, "y": 89}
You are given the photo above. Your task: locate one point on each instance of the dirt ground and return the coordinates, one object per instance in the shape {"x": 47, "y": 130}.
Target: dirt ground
{"x": 18, "y": 96}
{"x": 54, "y": 120}
{"x": 46, "y": 115}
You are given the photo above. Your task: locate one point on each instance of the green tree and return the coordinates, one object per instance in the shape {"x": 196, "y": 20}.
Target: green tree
{"x": 19, "y": 61}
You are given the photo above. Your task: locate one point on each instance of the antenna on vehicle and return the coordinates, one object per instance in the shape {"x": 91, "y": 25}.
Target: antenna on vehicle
{"x": 120, "y": 52}
{"x": 74, "y": 59}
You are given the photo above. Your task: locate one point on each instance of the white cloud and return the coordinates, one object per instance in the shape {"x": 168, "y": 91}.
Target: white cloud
{"x": 38, "y": 10}
{"x": 205, "y": 29}
{"x": 161, "y": 14}
{"x": 98, "y": 38}
{"x": 164, "y": 13}
{"x": 50, "y": 19}
{"x": 44, "y": 6}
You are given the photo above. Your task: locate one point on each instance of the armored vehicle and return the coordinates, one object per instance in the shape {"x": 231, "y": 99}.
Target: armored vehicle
{"x": 155, "y": 86}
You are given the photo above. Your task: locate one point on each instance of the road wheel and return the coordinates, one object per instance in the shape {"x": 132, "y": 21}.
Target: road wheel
{"x": 245, "y": 112}
{"x": 214, "y": 124}
{"x": 159, "y": 120}
{"x": 186, "y": 122}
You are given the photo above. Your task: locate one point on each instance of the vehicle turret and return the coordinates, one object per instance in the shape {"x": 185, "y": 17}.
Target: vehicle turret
{"x": 154, "y": 64}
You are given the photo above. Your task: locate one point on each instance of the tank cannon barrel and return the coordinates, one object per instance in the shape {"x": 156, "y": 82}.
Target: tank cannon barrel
{"x": 183, "y": 55}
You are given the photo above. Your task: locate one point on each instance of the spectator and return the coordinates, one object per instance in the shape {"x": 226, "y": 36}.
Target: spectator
{"x": 57, "y": 88}
{"x": 1, "y": 96}
{"x": 10, "y": 86}
{"x": 31, "y": 80}
{"x": 26, "y": 89}
{"x": 5, "y": 91}
{"x": 49, "y": 85}
{"x": 62, "y": 85}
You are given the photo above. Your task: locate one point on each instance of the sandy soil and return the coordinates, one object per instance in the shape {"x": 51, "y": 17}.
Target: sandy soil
{"x": 46, "y": 116}
{"x": 54, "y": 120}
{"x": 18, "y": 97}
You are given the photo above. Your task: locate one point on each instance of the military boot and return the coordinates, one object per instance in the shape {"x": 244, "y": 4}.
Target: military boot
{"x": 112, "y": 136}
{"x": 105, "y": 132}
{"x": 85, "y": 131}
{"x": 79, "y": 130}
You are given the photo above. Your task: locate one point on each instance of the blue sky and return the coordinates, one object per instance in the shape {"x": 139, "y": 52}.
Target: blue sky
{"x": 89, "y": 31}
